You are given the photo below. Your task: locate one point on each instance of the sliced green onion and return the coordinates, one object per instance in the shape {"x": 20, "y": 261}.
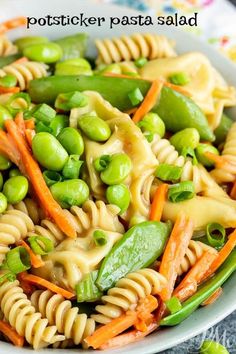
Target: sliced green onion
{"x": 18, "y": 260}
{"x": 180, "y": 78}
{"x": 149, "y": 136}
{"x": 167, "y": 172}
{"x": 135, "y": 96}
{"x": 173, "y": 304}
{"x": 100, "y": 238}
{"x": 87, "y": 290}
{"x": 72, "y": 167}
{"x": 67, "y": 101}
{"x": 140, "y": 62}
{"x": 41, "y": 127}
{"x": 189, "y": 152}
{"x": 40, "y": 245}
{"x": 44, "y": 113}
{"x": 101, "y": 163}
{"x": 7, "y": 275}
{"x": 8, "y": 81}
{"x": 18, "y": 102}
{"x": 181, "y": 191}
{"x": 215, "y": 235}
{"x": 51, "y": 177}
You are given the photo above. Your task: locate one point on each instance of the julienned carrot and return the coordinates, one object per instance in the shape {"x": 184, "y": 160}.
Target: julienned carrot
{"x": 25, "y": 285}
{"x": 174, "y": 253}
{"x": 144, "y": 310}
{"x": 158, "y": 202}
{"x": 29, "y": 134}
{"x": 213, "y": 297}
{"x": 8, "y": 149}
{"x": 21, "y": 60}
{"x": 9, "y": 89}
{"x": 218, "y": 160}
{"x": 131, "y": 111}
{"x": 189, "y": 284}
{"x": 30, "y": 124}
{"x": 123, "y": 76}
{"x": 233, "y": 191}
{"x": 128, "y": 337}
{"x": 177, "y": 88}
{"x": 222, "y": 255}
{"x": 33, "y": 279}
{"x": 11, "y": 334}
{"x": 13, "y": 23}
{"x": 36, "y": 261}
{"x": 149, "y": 100}
{"x": 36, "y": 178}
{"x": 19, "y": 120}
{"x": 111, "y": 330}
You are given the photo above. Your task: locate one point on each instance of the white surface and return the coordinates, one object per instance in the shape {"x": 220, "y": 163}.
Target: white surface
{"x": 203, "y": 318}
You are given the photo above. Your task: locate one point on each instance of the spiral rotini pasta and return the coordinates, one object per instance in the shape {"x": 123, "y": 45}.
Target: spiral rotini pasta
{"x": 14, "y": 225}
{"x": 50, "y": 230}
{"x": 227, "y": 172}
{"x": 6, "y": 46}
{"x": 29, "y": 207}
{"x": 24, "y": 72}
{"x": 60, "y": 313}
{"x": 132, "y": 47}
{"x": 22, "y": 316}
{"x": 127, "y": 292}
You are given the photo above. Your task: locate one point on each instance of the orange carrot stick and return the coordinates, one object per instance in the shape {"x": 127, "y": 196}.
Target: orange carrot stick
{"x": 36, "y": 261}
{"x": 233, "y": 191}
{"x": 177, "y": 88}
{"x": 131, "y": 111}
{"x": 149, "y": 100}
{"x": 9, "y": 89}
{"x": 29, "y": 134}
{"x": 11, "y": 334}
{"x": 158, "y": 202}
{"x": 36, "y": 178}
{"x": 25, "y": 285}
{"x": 211, "y": 299}
{"x": 144, "y": 310}
{"x": 174, "y": 253}
{"x": 123, "y": 76}
{"x": 188, "y": 285}
{"x": 19, "y": 120}
{"x": 30, "y": 124}
{"x": 129, "y": 337}
{"x": 8, "y": 149}
{"x": 33, "y": 279}
{"x": 21, "y": 60}
{"x": 218, "y": 160}
{"x": 13, "y": 23}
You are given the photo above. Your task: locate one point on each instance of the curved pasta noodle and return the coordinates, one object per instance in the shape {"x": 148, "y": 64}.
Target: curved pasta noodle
{"x": 22, "y": 316}
{"x": 29, "y": 207}
{"x": 127, "y": 292}
{"x": 132, "y": 47}
{"x": 60, "y": 313}
{"x": 50, "y": 230}
{"x": 14, "y": 225}
{"x": 194, "y": 252}
{"x": 25, "y": 72}
{"x": 227, "y": 172}
{"x": 6, "y": 47}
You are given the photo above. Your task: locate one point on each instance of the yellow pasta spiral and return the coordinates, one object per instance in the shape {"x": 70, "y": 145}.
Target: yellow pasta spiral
{"x": 22, "y": 316}
{"x": 127, "y": 292}
{"x": 132, "y": 47}
{"x": 50, "y": 230}
{"x": 6, "y": 47}
{"x": 25, "y": 72}
{"x": 60, "y": 313}
{"x": 29, "y": 207}
{"x": 14, "y": 225}
{"x": 227, "y": 172}
{"x": 194, "y": 252}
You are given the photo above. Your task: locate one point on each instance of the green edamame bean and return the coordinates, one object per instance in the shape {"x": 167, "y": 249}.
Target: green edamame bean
{"x": 188, "y": 137}
{"x": 117, "y": 170}
{"x": 4, "y": 163}
{"x": 112, "y": 68}
{"x": 24, "y": 42}
{"x": 70, "y": 192}
{"x": 15, "y": 189}
{"x": 49, "y": 152}
{"x": 119, "y": 195}
{"x": 58, "y": 123}
{"x": 200, "y": 154}
{"x": 152, "y": 123}
{"x": 1, "y": 181}
{"x": 45, "y": 52}
{"x": 211, "y": 347}
{"x": 3, "y": 203}
{"x": 4, "y": 115}
{"x": 94, "y": 127}
{"x": 14, "y": 172}
{"x": 72, "y": 141}
{"x": 8, "y": 81}
{"x": 78, "y": 66}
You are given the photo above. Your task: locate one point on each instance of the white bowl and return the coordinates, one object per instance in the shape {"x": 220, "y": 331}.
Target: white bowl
{"x": 205, "y": 317}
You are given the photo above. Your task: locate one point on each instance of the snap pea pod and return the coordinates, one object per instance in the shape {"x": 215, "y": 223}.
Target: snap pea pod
{"x": 8, "y": 59}
{"x": 222, "y": 130}
{"x": 177, "y": 111}
{"x": 206, "y": 290}
{"x": 138, "y": 248}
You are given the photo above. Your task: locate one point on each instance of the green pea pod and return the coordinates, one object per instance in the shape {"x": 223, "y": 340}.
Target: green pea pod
{"x": 222, "y": 129}
{"x": 8, "y": 59}
{"x": 73, "y": 46}
{"x": 179, "y": 112}
{"x": 206, "y": 290}
{"x": 138, "y": 248}
{"x": 1, "y": 181}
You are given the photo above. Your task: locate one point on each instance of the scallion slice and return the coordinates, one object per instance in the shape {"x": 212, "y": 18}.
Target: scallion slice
{"x": 140, "y": 62}
{"x": 18, "y": 102}
{"x": 18, "y": 260}
{"x": 173, "y": 304}
{"x": 135, "y": 96}
{"x": 67, "y": 101}
{"x": 180, "y": 78}
{"x": 181, "y": 191}
{"x": 166, "y": 172}
{"x": 51, "y": 177}
{"x": 44, "y": 113}
{"x": 72, "y": 167}
{"x": 215, "y": 234}
{"x": 40, "y": 245}
{"x": 7, "y": 275}
{"x": 189, "y": 152}
{"x": 100, "y": 238}
{"x": 101, "y": 163}
{"x": 87, "y": 290}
